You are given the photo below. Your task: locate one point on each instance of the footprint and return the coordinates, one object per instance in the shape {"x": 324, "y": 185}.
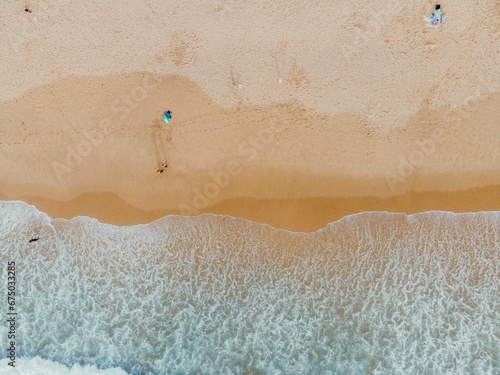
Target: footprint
{"x": 183, "y": 48}
{"x": 430, "y": 46}
{"x": 297, "y": 75}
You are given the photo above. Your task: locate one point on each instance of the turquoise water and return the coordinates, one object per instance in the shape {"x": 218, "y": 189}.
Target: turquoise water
{"x": 373, "y": 293}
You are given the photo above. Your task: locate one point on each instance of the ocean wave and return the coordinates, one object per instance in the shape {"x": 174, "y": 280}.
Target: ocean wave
{"x": 371, "y": 293}
{"x": 40, "y": 366}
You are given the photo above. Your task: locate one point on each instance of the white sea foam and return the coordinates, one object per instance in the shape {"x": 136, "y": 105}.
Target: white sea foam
{"x": 40, "y": 366}
{"x": 371, "y": 293}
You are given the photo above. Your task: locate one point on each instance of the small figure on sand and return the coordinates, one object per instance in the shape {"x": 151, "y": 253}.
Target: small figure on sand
{"x": 27, "y": 10}
{"x": 436, "y": 17}
{"x": 167, "y": 115}
{"x": 162, "y": 169}
{"x": 33, "y": 240}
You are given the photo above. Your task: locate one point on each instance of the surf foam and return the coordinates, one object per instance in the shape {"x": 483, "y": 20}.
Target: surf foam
{"x": 371, "y": 293}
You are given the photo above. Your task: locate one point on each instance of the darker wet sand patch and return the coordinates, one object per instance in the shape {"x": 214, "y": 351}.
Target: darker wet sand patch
{"x": 292, "y": 214}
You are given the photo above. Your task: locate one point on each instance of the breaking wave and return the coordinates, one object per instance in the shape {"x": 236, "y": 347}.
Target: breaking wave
{"x": 40, "y": 366}
{"x": 371, "y": 293}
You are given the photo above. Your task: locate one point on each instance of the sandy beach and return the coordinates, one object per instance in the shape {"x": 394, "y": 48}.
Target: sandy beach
{"x": 323, "y": 198}
{"x": 363, "y": 109}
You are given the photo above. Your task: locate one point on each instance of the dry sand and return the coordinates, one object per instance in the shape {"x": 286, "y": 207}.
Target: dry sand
{"x": 335, "y": 110}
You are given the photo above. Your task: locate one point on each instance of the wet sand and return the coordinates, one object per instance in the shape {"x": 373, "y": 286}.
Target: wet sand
{"x": 283, "y": 164}
{"x": 297, "y": 215}
{"x": 399, "y": 118}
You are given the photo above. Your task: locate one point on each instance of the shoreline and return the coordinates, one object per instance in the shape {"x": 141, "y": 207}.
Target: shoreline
{"x": 298, "y": 215}
{"x": 283, "y": 164}
{"x": 299, "y": 125}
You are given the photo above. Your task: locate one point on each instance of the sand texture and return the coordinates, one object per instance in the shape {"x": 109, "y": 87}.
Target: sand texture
{"x": 290, "y": 114}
